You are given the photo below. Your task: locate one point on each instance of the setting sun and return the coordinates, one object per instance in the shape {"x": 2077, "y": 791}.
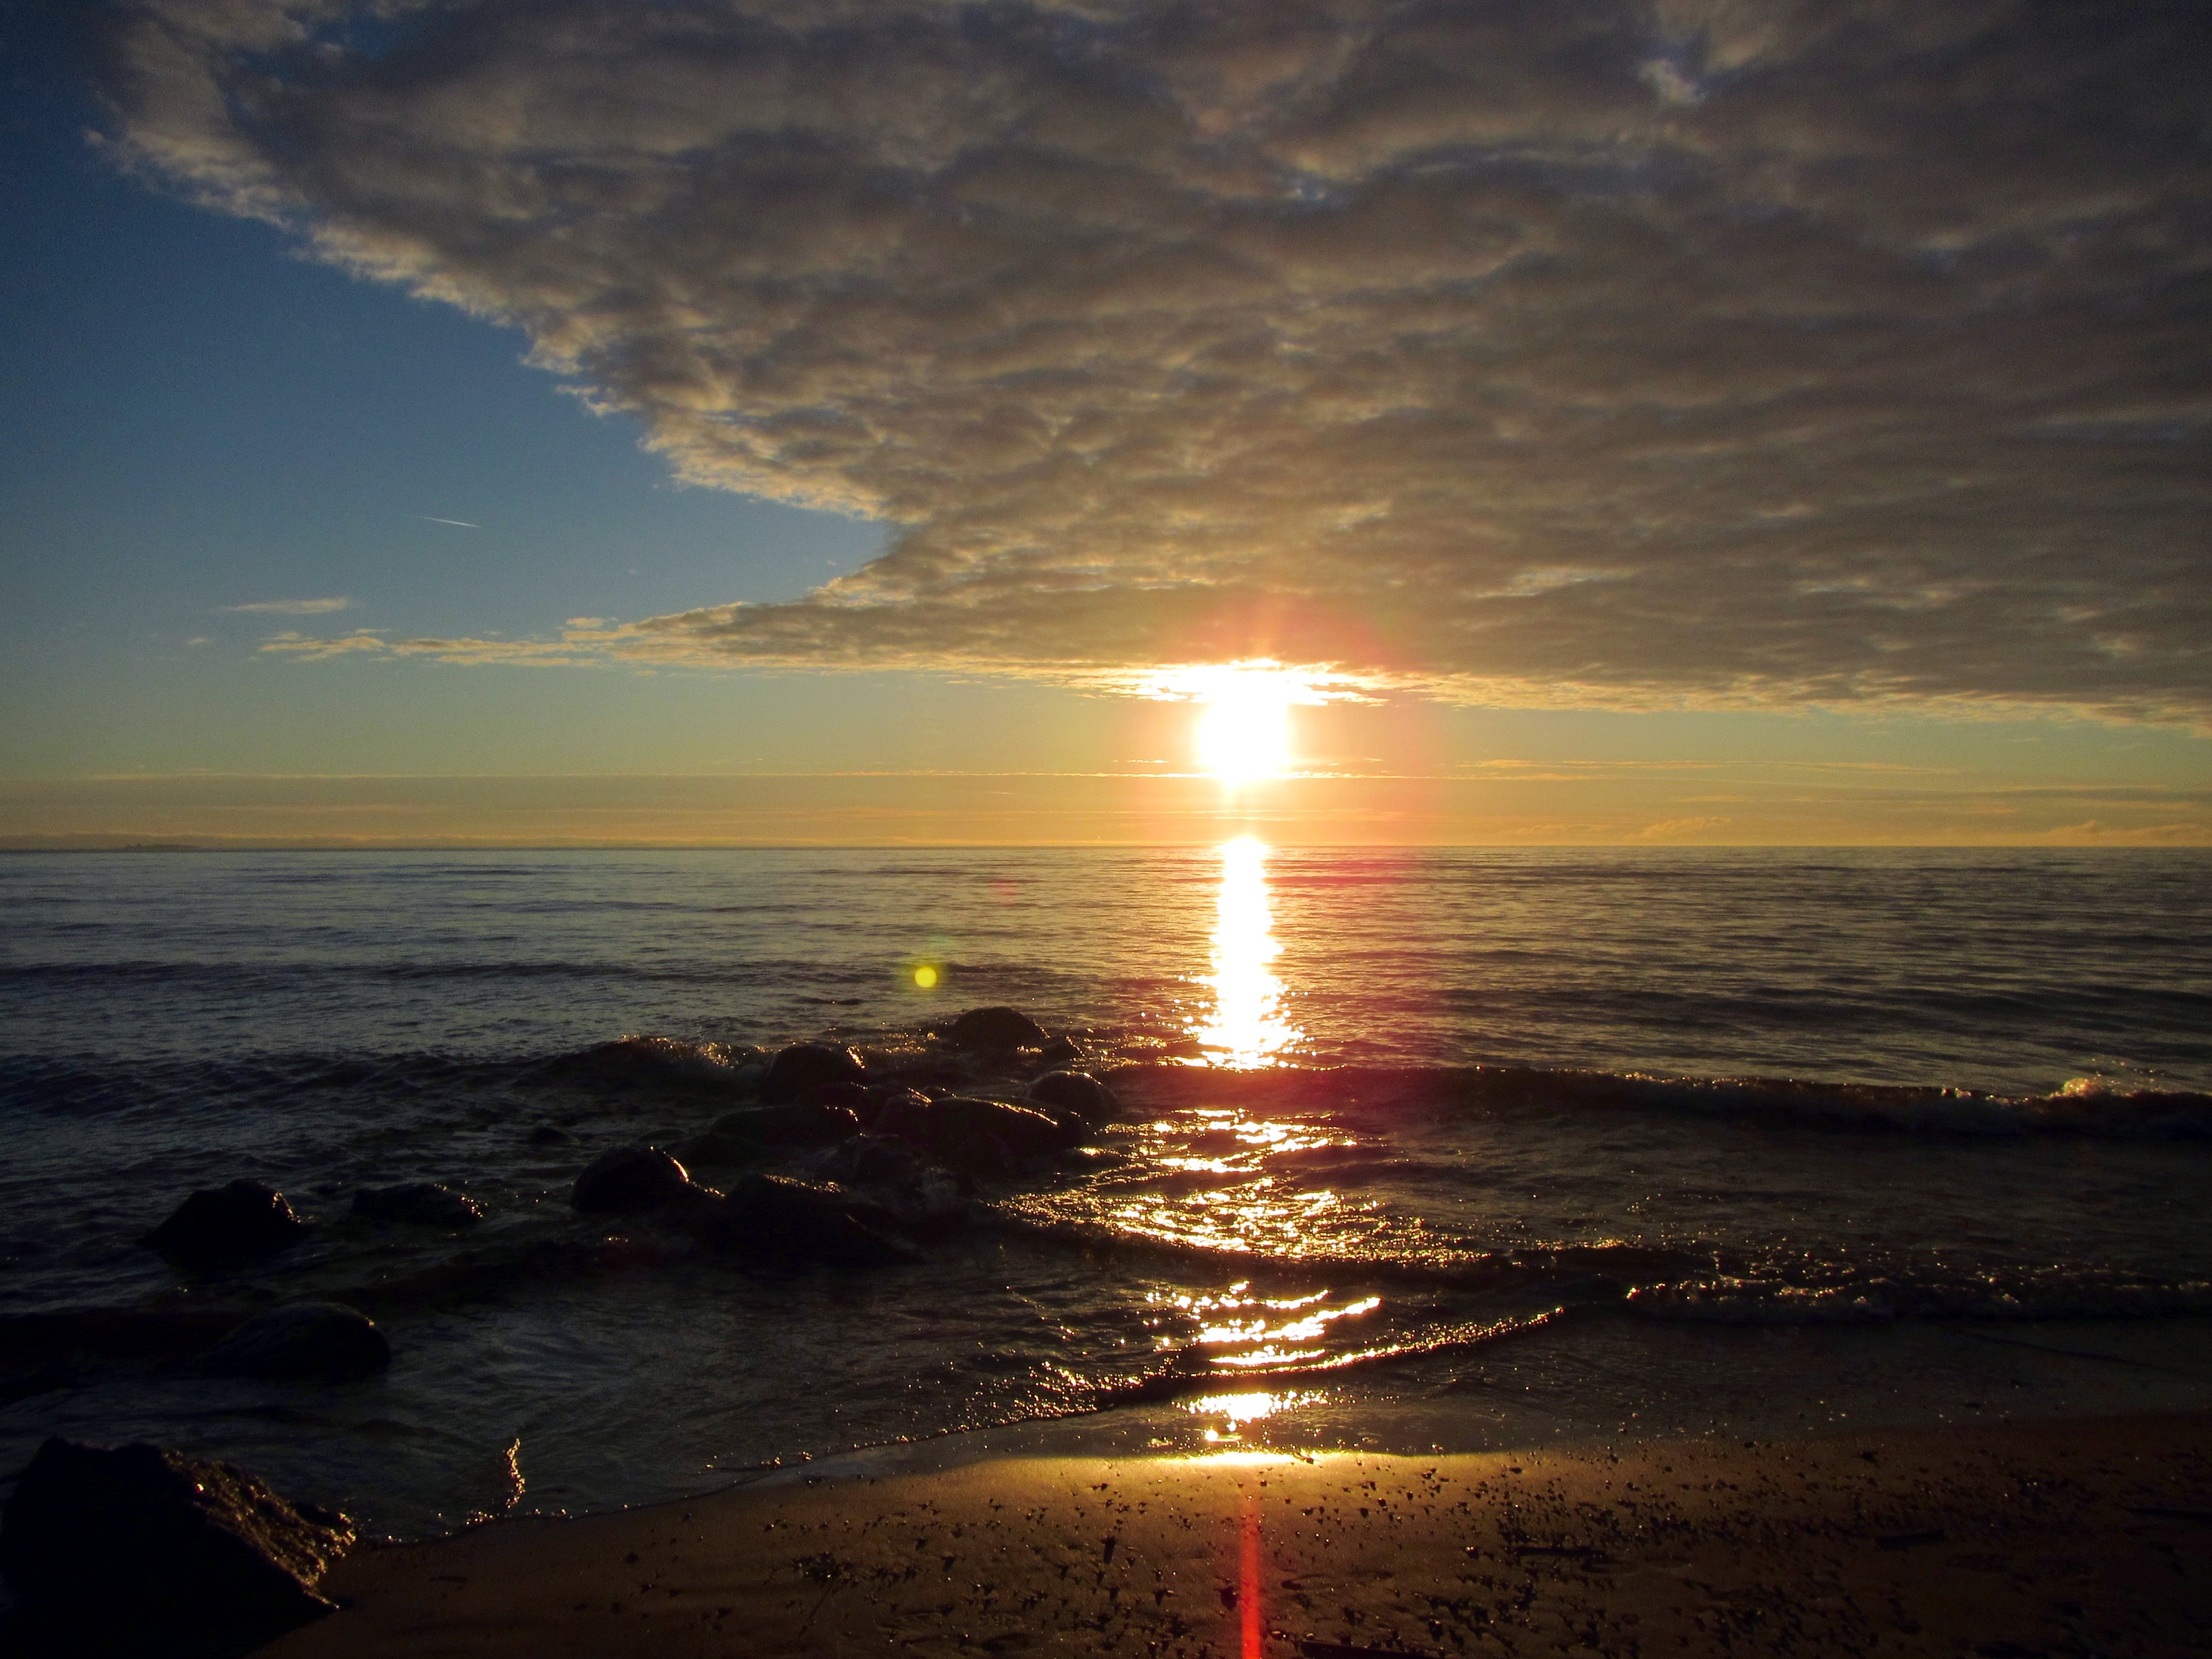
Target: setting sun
{"x": 1244, "y": 733}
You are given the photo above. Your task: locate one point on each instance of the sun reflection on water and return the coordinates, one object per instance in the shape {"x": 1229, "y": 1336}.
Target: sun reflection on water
{"x": 1248, "y": 1028}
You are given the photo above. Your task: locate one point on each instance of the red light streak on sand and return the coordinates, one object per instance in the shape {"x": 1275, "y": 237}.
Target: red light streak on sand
{"x": 1247, "y": 1591}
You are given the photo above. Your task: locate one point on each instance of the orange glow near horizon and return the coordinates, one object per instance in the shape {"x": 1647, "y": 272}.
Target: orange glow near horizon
{"x": 1248, "y": 1027}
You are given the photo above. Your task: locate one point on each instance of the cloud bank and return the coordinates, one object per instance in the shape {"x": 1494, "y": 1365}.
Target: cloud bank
{"x": 1690, "y": 351}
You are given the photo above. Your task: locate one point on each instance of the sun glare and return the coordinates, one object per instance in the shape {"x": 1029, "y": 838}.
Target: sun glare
{"x": 1244, "y": 729}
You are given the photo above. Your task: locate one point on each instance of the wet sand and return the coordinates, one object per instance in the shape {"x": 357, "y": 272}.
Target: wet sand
{"x": 1999, "y": 1543}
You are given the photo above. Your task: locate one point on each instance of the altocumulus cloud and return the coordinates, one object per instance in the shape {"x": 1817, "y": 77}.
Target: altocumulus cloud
{"x": 1701, "y": 351}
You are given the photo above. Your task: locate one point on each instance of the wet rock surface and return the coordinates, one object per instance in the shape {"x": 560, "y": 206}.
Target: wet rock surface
{"x": 231, "y": 1226}
{"x": 425, "y": 1203}
{"x": 970, "y": 1132}
{"x": 306, "y": 1342}
{"x": 806, "y": 1066}
{"x": 995, "y": 1027}
{"x": 141, "y": 1550}
{"x": 1061, "y": 1093}
{"x": 631, "y": 1181}
{"x": 774, "y": 1216}
{"x": 795, "y": 1123}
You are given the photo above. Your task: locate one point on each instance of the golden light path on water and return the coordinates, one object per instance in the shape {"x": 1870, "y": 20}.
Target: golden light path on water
{"x": 1248, "y": 1026}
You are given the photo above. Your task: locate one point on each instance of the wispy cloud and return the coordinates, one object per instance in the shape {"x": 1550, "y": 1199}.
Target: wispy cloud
{"x": 290, "y": 607}
{"x": 1673, "y": 352}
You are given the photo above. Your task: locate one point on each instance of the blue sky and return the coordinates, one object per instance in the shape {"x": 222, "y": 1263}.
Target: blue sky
{"x": 202, "y": 417}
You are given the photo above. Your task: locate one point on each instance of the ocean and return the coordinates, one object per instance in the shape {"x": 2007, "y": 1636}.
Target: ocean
{"x": 1418, "y": 1149}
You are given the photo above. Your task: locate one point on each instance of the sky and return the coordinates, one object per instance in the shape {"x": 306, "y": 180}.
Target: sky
{"x": 818, "y": 421}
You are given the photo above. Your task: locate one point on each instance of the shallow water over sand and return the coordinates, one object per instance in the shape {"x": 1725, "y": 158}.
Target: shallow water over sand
{"x": 1574, "y": 1139}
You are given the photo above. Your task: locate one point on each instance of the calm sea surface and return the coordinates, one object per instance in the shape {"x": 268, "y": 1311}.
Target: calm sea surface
{"x": 1417, "y": 1147}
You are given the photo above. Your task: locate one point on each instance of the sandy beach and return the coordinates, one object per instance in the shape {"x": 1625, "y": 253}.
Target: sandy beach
{"x": 2082, "y": 1537}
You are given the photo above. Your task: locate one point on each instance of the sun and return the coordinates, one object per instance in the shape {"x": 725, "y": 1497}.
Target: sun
{"x": 1244, "y": 735}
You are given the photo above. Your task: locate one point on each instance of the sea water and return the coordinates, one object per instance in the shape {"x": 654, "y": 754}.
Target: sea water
{"x": 1421, "y": 1147}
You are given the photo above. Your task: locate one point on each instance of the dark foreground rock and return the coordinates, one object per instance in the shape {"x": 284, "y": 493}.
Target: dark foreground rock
{"x": 772, "y": 1215}
{"x": 806, "y": 1066}
{"x": 139, "y": 1550}
{"x": 1061, "y": 1094}
{"x": 631, "y": 1181}
{"x": 229, "y": 1226}
{"x": 995, "y": 1027}
{"x": 427, "y": 1203}
{"x": 306, "y": 1342}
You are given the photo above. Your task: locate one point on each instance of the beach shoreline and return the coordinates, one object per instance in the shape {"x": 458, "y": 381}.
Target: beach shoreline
{"x": 2054, "y": 1536}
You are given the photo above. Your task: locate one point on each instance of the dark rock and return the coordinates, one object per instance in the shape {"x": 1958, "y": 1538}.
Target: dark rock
{"x": 1062, "y": 1050}
{"x": 428, "y": 1202}
{"x": 227, "y": 1227}
{"x": 807, "y": 1064}
{"x": 873, "y": 1161}
{"x": 995, "y": 1027}
{"x": 967, "y": 1132}
{"x": 798, "y": 1123}
{"x": 308, "y": 1341}
{"x": 904, "y": 1113}
{"x": 546, "y": 1135}
{"x": 850, "y": 1096}
{"x": 1061, "y": 1094}
{"x": 629, "y": 1180}
{"x": 772, "y": 1215}
{"x": 139, "y": 1550}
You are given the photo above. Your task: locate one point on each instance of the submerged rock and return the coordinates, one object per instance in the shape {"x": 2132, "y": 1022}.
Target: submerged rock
{"x": 1079, "y": 1093}
{"x": 995, "y": 1027}
{"x": 774, "y": 1216}
{"x": 141, "y": 1550}
{"x": 231, "y": 1226}
{"x": 305, "y": 1342}
{"x": 431, "y": 1203}
{"x": 630, "y": 1180}
{"x": 808, "y": 1065}
{"x": 545, "y": 1134}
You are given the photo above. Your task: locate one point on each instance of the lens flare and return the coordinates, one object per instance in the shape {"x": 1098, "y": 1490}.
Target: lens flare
{"x": 925, "y": 976}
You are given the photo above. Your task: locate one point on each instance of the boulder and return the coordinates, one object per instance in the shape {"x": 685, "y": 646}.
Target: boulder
{"x": 630, "y": 1180}
{"x": 995, "y": 1027}
{"x": 806, "y": 1064}
{"x": 774, "y": 1216}
{"x": 228, "y": 1226}
{"x": 904, "y": 1113}
{"x": 967, "y": 1132}
{"x": 1073, "y": 1095}
{"x": 305, "y": 1342}
{"x": 796, "y": 1123}
{"x": 545, "y": 1134}
{"x": 873, "y": 1161}
{"x": 139, "y": 1550}
{"x": 429, "y": 1203}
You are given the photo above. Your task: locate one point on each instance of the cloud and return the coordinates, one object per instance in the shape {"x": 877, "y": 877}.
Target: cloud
{"x": 290, "y": 607}
{"x": 1677, "y": 352}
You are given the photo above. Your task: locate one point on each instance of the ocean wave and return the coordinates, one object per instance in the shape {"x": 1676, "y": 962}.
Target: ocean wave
{"x": 2084, "y": 1107}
